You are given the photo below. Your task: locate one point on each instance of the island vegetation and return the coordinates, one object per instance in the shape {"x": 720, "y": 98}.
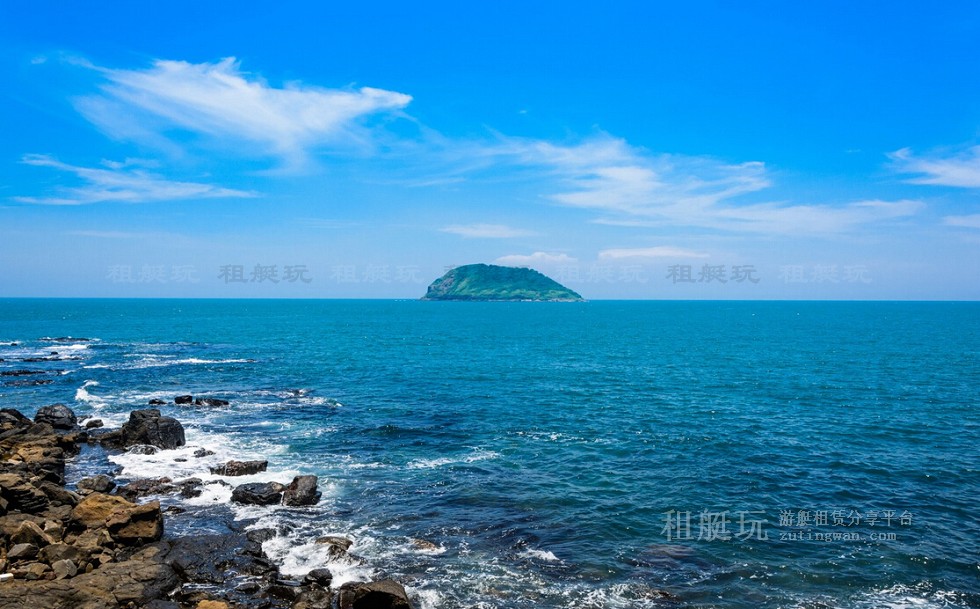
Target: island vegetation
{"x": 487, "y": 282}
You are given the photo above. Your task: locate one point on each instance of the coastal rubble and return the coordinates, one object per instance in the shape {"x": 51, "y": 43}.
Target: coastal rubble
{"x": 100, "y": 548}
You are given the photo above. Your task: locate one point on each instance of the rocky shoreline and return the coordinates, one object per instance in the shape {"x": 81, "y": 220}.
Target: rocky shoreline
{"x": 97, "y": 546}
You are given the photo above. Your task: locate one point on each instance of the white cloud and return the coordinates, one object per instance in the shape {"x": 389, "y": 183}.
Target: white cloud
{"x": 660, "y": 251}
{"x": 535, "y": 259}
{"x": 970, "y": 221}
{"x": 629, "y": 186}
{"x": 219, "y": 101}
{"x": 118, "y": 183}
{"x": 962, "y": 169}
{"x": 486, "y": 231}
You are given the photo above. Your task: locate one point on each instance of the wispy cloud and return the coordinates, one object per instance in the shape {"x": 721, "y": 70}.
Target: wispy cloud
{"x": 660, "y": 251}
{"x": 220, "y": 102}
{"x": 630, "y": 186}
{"x": 486, "y": 231}
{"x": 535, "y": 259}
{"x": 970, "y": 221}
{"x": 960, "y": 169}
{"x": 121, "y": 182}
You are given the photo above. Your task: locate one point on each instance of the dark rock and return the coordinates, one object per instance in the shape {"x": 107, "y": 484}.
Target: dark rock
{"x": 57, "y": 493}
{"x": 260, "y": 535}
{"x": 58, "y": 416}
{"x": 384, "y": 594}
{"x": 143, "y": 449}
{"x": 157, "y": 402}
{"x": 93, "y": 424}
{"x": 148, "y": 427}
{"x": 258, "y": 493}
{"x": 301, "y": 491}
{"x": 339, "y": 542}
{"x": 21, "y": 495}
{"x": 321, "y": 577}
{"x": 28, "y": 383}
{"x": 315, "y": 598}
{"x": 61, "y": 551}
{"x": 22, "y": 551}
{"x": 184, "y": 399}
{"x": 203, "y": 452}
{"x": 96, "y": 484}
{"x": 21, "y": 372}
{"x": 210, "y": 402}
{"x": 240, "y": 468}
{"x": 146, "y": 486}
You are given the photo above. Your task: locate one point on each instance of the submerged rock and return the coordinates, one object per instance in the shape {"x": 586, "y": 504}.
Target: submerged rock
{"x": 210, "y": 402}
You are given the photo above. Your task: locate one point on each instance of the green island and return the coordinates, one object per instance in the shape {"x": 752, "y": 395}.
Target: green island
{"x": 488, "y": 282}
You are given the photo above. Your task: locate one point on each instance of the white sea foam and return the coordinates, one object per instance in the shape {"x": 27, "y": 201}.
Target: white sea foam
{"x": 82, "y": 394}
{"x": 540, "y": 555}
{"x": 477, "y": 455}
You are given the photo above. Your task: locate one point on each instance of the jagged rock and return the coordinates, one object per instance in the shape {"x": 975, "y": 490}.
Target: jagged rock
{"x": 314, "y": 599}
{"x": 146, "y": 486}
{"x": 96, "y": 484}
{"x": 92, "y": 542}
{"x": 341, "y": 542}
{"x": 321, "y": 577}
{"x": 184, "y": 399}
{"x": 301, "y": 491}
{"x": 93, "y": 423}
{"x": 57, "y": 494}
{"x": 61, "y": 551}
{"x": 64, "y": 569}
{"x": 22, "y": 551}
{"x": 384, "y": 594}
{"x": 57, "y": 416}
{"x": 31, "y": 533}
{"x": 240, "y": 468}
{"x": 128, "y": 523}
{"x": 21, "y": 495}
{"x": 148, "y": 427}
{"x": 143, "y": 449}
{"x": 210, "y": 402}
{"x": 134, "y": 582}
{"x": 258, "y": 493}
{"x": 138, "y": 525}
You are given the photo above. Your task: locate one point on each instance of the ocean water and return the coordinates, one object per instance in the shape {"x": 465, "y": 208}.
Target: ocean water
{"x": 603, "y": 454}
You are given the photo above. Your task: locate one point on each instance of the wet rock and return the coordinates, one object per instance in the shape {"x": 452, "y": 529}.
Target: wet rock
{"x": 21, "y": 372}
{"x": 93, "y": 423}
{"x": 157, "y": 402}
{"x": 203, "y": 452}
{"x": 240, "y": 468}
{"x": 260, "y": 535}
{"x": 146, "y": 486}
{"x": 184, "y": 399}
{"x": 301, "y": 491}
{"x": 320, "y": 577}
{"x": 258, "y": 493}
{"x": 340, "y": 542}
{"x": 143, "y": 449}
{"x": 384, "y": 594}
{"x": 96, "y": 484}
{"x": 148, "y": 427}
{"x": 57, "y": 416}
{"x": 210, "y": 402}
{"x": 316, "y": 598}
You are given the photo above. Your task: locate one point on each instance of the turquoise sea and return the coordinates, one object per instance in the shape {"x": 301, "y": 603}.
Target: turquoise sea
{"x": 602, "y": 454}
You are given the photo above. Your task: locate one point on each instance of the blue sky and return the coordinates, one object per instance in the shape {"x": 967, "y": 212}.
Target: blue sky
{"x": 630, "y": 150}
